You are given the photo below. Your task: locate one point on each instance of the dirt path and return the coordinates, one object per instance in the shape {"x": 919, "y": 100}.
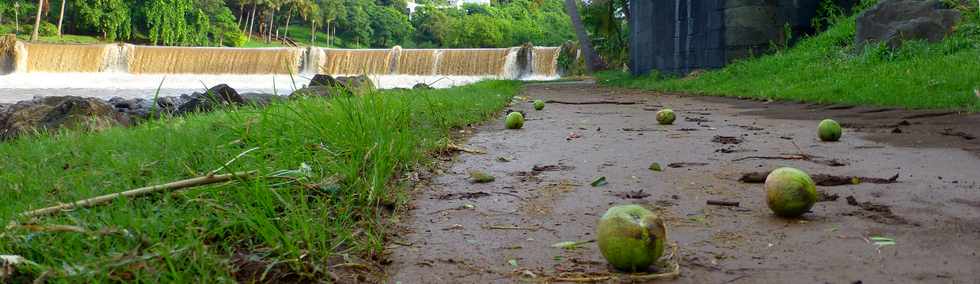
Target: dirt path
{"x": 458, "y": 233}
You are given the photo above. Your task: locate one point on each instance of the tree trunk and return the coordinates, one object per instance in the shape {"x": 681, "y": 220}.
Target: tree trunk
{"x": 272, "y": 21}
{"x": 241, "y": 13}
{"x": 313, "y": 33}
{"x": 61, "y": 17}
{"x": 37, "y": 20}
{"x": 585, "y": 44}
{"x": 252, "y": 21}
{"x": 289, "y": 16}
{"x": 328, "y": 34}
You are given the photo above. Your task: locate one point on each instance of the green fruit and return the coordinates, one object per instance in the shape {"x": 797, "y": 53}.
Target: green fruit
{"x": 631, "y": 238}
{"x": 515, "y": 120}
{"x": 666, "y": 116}
{"x": 829, "y": 130}
{"x": 538, "y": 105}
{"x": 790, "y": 192}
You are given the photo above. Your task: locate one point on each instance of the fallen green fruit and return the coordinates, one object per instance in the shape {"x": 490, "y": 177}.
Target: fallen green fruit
{"x": 631, "y": 238}
{"x": 790, "y": 192}
{"x": 666, "y": 116}
{"x": 481, "y": 177}
{"x": 515, "y": 120}
{"x": 829, "y": 130}
{"x": 538, "y": 105}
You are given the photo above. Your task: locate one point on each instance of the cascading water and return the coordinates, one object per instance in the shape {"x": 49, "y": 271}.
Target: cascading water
{"x": 544, "y": 61}
{"x": 63, "y": 58}
{"x": 356, "y": 61}
{"x": 418, "y": 62}
{"x": 214, "y": 60}
{"x": 110, "y": 69}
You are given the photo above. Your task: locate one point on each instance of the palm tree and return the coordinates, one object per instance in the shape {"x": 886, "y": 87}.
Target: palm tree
{"x": 37, "y": 20}
{"x": 591, "y": 59}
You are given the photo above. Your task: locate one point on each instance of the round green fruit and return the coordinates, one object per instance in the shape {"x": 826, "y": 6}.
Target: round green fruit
{"x": 538, "y": 105}
{"x": 790, "y": 192}
{"x": 666, "y": 116}
{"x": 829, "y": 130}
{"x": 515, "y": 120}
{"x": 631, "y": 238}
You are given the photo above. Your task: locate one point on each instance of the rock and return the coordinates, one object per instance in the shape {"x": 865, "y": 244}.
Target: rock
{"x": 320, "y": 91}
{"x": 321, "y": 80}
{"x": 422, "y": 86}
{"x": 327, "y": 86}
{"x": 226, "y": 94}
{"x": 260, "y": 99}
{"x": 896, "y": 21}
{"x": 49, "y": 113}
{"x": 134, "y": 108}
{"x": 216, "y": 96}
{"x": 357, "y": 84}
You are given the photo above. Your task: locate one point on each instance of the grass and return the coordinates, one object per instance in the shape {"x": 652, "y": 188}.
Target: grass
{"x": 828, "y": 68}
{"x": 74, "y": 39}
{"x": 348, "y": 158}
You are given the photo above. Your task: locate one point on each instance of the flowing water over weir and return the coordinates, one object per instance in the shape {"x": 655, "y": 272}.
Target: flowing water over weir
{"x": 115, "y": 69}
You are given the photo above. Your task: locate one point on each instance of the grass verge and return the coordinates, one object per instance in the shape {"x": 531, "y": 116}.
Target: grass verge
{"x": 345, "y": 158}
{"x": 829, "y": 68}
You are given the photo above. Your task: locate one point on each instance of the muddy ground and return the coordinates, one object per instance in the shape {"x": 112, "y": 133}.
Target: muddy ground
{"x": 503, "y": 231}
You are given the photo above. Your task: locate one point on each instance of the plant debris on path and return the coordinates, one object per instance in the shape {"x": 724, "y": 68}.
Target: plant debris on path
{"x": 722, "y": 228}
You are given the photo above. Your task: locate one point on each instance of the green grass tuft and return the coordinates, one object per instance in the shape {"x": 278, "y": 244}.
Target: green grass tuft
{"x": 829, "y": 68}
{"x": 346, "y": 158}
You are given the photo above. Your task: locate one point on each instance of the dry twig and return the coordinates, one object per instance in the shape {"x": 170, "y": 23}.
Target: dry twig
{"x": 198, "y": 181}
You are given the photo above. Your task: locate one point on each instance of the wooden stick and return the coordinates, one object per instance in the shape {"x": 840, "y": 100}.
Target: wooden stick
{"x": 723, "y": 203}
{"x": 198, "y": 181}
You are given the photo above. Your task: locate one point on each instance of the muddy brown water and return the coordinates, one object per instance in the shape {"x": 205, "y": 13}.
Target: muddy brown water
{"x": 461, "y": 232}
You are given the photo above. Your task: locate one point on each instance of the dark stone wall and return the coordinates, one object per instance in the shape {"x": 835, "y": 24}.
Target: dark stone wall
{"x": 676, "y": 36}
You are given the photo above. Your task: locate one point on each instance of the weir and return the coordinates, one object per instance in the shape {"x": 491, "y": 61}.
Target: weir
{"x": 25, "y": 58}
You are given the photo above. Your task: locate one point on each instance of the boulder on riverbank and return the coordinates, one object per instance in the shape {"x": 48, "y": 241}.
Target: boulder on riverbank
{"x": 328, "y": 86}
{"x": 49, "y": 113}
{"x": 220, "y": 95}
{"x": 896, "y": 21}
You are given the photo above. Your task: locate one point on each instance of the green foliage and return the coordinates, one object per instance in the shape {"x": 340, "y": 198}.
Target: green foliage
{"x": 343, "y": 159}
{"x": 828, "y": 68}
{"x": 47, "y": 29}
{"x": 107, "y": 18}
{"x": 167, "y": 21}
{"x": 390, "y": 25}
{"x": 348, "y": 23}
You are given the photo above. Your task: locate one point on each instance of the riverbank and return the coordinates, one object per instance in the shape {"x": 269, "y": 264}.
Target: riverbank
{"x": 329, "y": 173}
{"x": 829, "y": 68}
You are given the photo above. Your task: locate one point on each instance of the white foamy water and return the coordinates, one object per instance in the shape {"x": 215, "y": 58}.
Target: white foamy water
{"x": 25, "y": 86}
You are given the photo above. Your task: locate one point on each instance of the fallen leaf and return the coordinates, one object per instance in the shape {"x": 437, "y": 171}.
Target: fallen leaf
{"x": 656, "y": 167}
{"x": 882, "y": 241}
{"x": 600, "y": 181}
{"x": 512, "y": 262}
{"x": 570, "y": 245}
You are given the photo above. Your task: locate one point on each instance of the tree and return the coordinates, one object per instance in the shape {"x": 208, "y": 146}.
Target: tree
{"x": 37, "y": 20}
{"x": 61, "y": 16}
{"x": 111, "y": 18}
{"x": 390, "y": 26}
{"x": 591, "y": 59}
{"x": 432, "y": 25}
